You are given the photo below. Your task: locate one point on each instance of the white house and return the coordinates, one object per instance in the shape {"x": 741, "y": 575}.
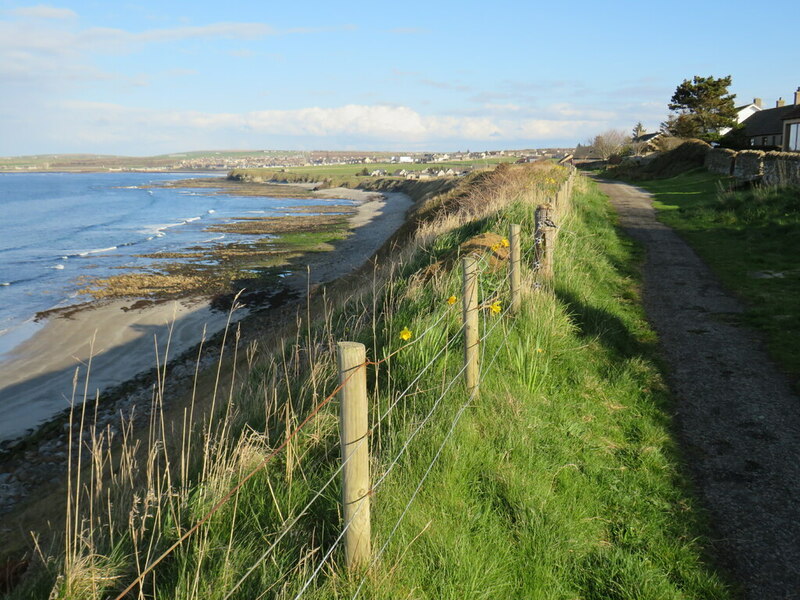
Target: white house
{"x": 744, "y": 112}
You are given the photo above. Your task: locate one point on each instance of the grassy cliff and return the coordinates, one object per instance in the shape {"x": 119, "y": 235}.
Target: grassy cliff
{"x": 560, "y": 480}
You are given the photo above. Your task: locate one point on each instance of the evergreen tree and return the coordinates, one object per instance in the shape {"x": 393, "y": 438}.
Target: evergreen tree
{"x": 702, "y": 106}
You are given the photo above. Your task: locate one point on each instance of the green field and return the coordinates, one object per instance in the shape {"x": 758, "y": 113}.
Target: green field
{"x": 751, "y": 239}
{"x": 351, "y": 174}
{"x": 560, "y": 481}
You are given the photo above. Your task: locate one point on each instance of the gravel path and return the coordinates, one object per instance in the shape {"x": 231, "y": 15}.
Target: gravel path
{"x": 738, "y": 420}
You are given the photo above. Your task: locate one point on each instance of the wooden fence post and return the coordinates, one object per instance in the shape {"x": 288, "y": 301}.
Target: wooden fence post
{"x": 355, "y": 452}
{"x": 470, "y": 315}
{"x": 544, "y": 237}
{"x": 514, "y": 266}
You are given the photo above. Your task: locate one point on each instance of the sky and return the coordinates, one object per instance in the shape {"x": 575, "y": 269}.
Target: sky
{"x": 149, "y": 78}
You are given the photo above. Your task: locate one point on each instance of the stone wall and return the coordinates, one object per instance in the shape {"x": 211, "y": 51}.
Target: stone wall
{"x": 773, "y": 168}
{"x": 720, "y": 160}
{"x": 749, "y": 165}
{"x": 781, "y": 168}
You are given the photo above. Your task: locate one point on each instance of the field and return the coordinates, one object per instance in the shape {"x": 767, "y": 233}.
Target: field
{"x": 352, "y": 175}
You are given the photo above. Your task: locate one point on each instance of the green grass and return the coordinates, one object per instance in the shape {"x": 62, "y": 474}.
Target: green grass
{"x": 350, "y": 174}
{"x": 751, "y": 239}
{"x": 561, "y": 480}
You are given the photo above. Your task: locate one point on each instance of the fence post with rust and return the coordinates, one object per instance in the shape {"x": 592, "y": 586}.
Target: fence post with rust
{"x": 355, "y": 452}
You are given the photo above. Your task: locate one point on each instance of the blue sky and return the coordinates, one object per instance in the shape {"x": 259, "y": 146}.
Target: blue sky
{"x": 148, "y": 77}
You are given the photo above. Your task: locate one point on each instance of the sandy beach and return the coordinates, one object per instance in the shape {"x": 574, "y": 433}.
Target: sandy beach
{"x": 36, "y": 378}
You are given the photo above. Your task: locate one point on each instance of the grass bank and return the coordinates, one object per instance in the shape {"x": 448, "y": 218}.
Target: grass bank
{"x": 560, "y": 481}
{"x": 751, "y": 239}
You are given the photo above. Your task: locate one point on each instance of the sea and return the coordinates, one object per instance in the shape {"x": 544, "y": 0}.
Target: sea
{"x": 58, "y": 229}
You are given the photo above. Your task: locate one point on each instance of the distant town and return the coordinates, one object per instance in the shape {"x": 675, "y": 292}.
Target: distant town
{"x": 228, "y": 160}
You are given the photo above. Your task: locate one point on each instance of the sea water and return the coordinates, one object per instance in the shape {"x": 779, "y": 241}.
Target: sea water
{"x": 59, "y": 229}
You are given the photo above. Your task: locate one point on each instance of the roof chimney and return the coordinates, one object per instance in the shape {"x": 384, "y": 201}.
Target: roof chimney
{"x": 757, "y": 102}
{"x": 797, "y": 96}
{"x": 780, "y": 103}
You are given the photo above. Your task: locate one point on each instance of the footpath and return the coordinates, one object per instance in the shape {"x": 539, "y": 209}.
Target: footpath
{"x": 738, "y": 421}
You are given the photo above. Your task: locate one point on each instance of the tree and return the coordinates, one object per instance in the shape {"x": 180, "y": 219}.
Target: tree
{"x": 637, "y": 145}
{"x": 702, "y": 106}
{"x": 609, "y": 143}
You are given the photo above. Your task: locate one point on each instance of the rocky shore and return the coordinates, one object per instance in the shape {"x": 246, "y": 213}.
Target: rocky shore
{"x": 118, "y": 335}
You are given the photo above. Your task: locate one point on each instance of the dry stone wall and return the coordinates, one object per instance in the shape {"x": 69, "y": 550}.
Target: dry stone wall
{"x": 772, "y": 168}
{"x": 781, "y": 168}
{"x": 720, "y": 160}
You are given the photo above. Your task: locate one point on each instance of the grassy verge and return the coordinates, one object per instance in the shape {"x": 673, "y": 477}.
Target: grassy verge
{"x": 560, "y": 481}
{"x": 751, "y": 239}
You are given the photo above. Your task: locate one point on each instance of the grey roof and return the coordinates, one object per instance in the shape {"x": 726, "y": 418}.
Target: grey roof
{"x": 770, "y": 120}
{"x": 646, "y": 137}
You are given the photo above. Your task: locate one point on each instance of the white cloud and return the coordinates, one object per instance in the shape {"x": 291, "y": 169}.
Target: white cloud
{"x": 100, "y": 127}
{"x": 43, "y": 11}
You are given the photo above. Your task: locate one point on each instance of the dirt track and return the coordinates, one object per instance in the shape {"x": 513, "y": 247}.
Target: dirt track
{"x": 737, "y": 419}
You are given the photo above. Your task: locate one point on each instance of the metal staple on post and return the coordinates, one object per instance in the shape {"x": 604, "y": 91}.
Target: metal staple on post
{"x": 514, "y": 266}
{"x": 352, "y": 358}
{"x": 544, "y": 235}
{"x": 470, "y": 316}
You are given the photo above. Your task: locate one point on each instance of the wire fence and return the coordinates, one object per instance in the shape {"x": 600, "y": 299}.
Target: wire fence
{"x": 535, "y": 255}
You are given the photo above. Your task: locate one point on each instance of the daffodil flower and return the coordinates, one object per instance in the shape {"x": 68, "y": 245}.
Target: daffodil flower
{"x": 406, "y": 334}
{"x": 495, "y": 307}
{"x": 505, "y": 243}
{"x": 452, "y": 300}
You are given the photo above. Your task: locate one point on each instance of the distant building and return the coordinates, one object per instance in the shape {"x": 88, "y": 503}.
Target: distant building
{"x": 744, "y": 112}
{"x": 777, "y": 127}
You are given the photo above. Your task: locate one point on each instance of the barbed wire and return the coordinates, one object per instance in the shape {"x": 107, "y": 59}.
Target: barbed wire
{"x": 449, "y": 433}
{"x": 484, "y": 258}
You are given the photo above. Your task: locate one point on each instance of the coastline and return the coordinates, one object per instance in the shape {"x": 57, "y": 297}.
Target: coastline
{"x": 37, "y": 375}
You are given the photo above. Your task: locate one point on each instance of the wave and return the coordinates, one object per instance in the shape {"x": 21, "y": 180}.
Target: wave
{"x": 57, "y": 267}
{"x": 191, "y": 219}
{"x": 5, "y": 283}
{"x": 96, "y": 251}
{"x": 211, "y": 211}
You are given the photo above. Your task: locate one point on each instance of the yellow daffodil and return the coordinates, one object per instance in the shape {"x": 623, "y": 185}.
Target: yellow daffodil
{"x": 539, "y": 350}
{"x": 495, "y": 307}
{"x": 505, "y": 243}
{"x": 406, "y": 334}
{"x": 496, "y": 247}
{"x": 452, "y": 300}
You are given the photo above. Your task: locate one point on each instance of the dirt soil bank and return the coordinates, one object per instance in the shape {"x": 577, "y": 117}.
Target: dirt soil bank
{"x": 737, "y": 418}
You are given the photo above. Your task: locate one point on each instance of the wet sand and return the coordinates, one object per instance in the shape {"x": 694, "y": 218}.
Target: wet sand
{"x": 36, "y": 378}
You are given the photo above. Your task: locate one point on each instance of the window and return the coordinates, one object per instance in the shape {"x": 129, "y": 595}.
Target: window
{"x": 794, "y": 137}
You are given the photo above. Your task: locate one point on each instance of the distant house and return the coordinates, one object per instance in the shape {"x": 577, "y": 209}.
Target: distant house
{"x": 744, "y": 112}
{"x": 583, "y": 153}
{"x": 645, "y": 143}
{"x": 777, "y": 127}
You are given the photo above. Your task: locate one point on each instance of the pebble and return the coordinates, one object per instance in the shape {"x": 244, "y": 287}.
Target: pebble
{"x": 47, "y": 463}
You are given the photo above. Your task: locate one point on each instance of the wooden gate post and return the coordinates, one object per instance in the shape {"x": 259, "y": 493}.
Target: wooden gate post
{"x": 355, "y": 452}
